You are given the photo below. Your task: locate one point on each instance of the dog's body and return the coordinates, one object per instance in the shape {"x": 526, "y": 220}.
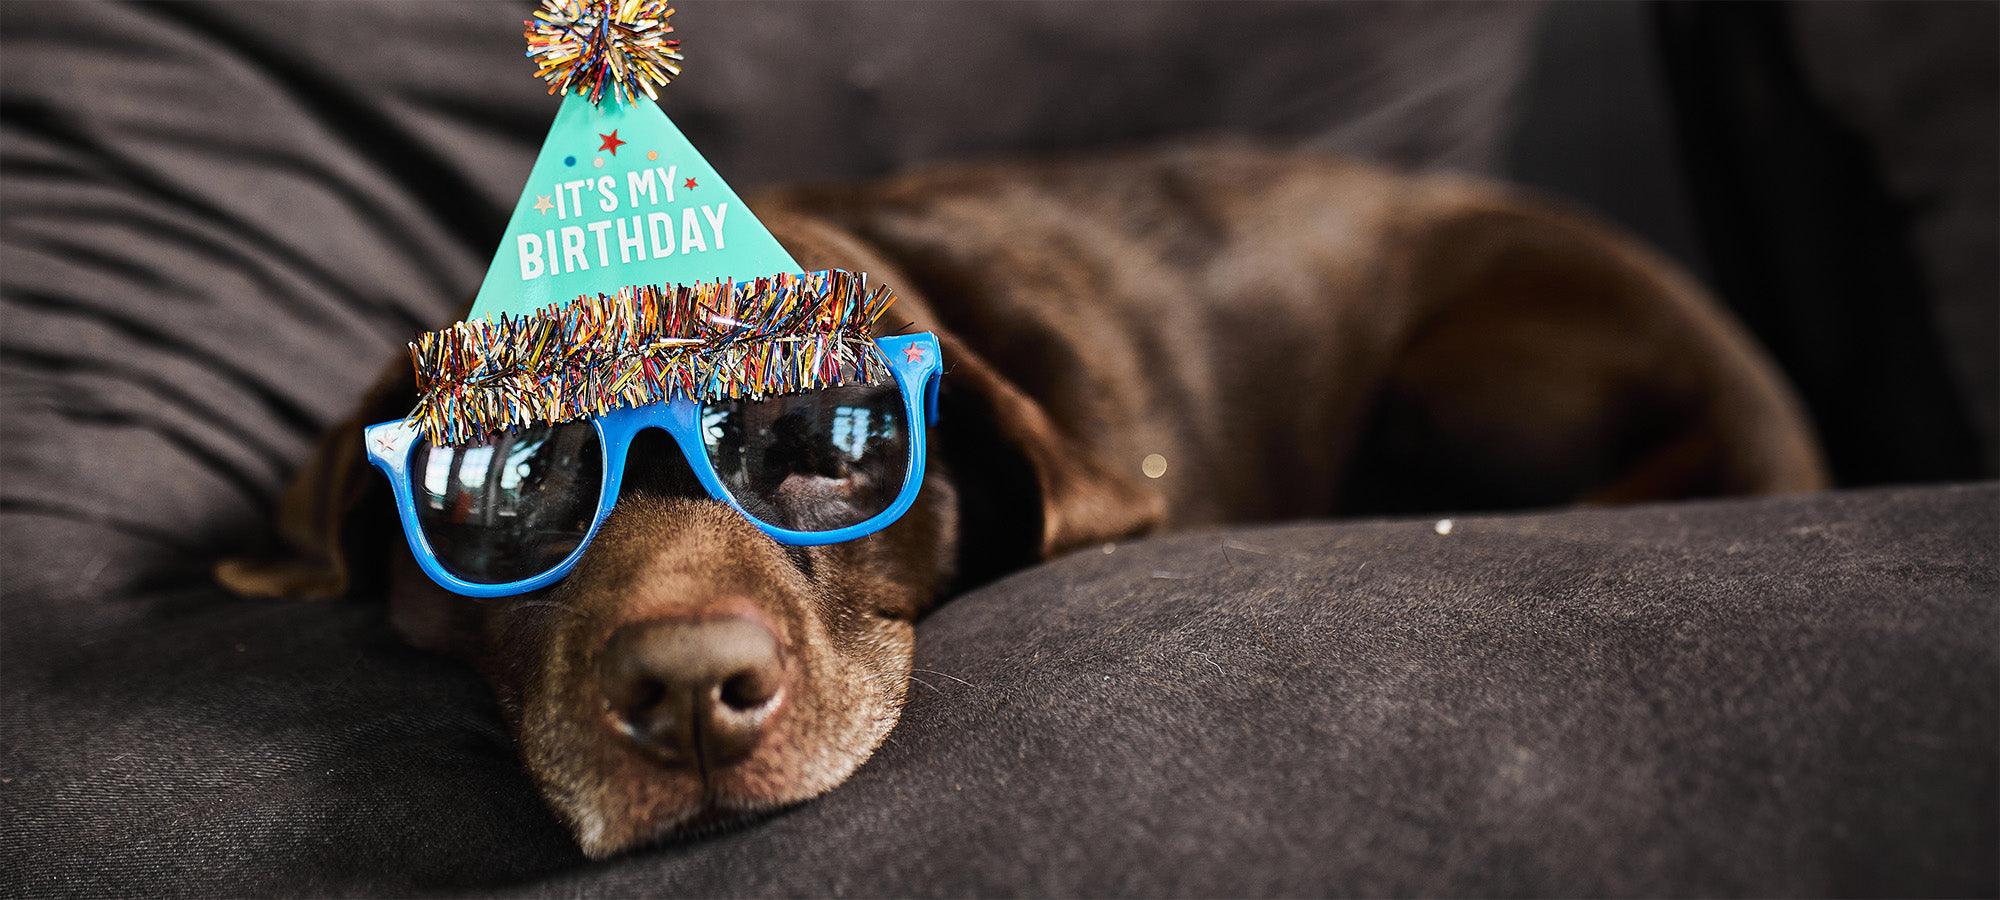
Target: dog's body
{"x": 1289, "y": 336}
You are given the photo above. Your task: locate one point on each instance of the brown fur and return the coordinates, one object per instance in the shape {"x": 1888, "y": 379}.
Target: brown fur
{"x": 1295, "y": 336}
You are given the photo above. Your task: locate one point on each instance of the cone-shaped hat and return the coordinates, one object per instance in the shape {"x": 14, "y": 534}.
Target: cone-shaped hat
{"x": 619, "y": 197}
{"x": 630, "y": 273}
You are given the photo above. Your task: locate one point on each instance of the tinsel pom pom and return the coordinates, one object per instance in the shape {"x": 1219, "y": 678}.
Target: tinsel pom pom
{"x": 596, "y": 47}
{"x": 647, "y": 344}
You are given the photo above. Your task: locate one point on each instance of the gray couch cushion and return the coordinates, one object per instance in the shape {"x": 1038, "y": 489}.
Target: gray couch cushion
{"x": 1780, "y": 697}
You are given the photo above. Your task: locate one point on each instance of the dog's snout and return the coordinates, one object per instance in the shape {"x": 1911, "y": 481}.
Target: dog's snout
{"x": 693, "y": 691}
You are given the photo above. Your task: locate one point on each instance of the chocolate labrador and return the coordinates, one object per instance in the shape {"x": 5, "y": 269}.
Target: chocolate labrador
{"x": 1183, "y": 338}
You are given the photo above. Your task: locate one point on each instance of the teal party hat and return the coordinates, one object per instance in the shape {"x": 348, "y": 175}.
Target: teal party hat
{"x": 619, "y": 197}
{"x": 630, "y": 272}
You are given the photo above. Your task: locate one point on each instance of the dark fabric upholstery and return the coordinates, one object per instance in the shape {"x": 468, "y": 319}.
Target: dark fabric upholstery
{"x": 1917, "y": 83}
{"x": 1830, "y": 170}
{"x": 217, "y": 222}
{"x": 1787, "y": 697}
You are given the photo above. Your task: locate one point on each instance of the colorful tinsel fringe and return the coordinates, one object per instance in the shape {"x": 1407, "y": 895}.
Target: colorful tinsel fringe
{"x": 647, "y": 344}
{"x": 588, "y": 46}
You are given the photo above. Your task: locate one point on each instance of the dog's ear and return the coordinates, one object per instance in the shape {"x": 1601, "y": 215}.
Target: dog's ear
{"x": 311, "y": 556}
{"x": 1083, "y": 502}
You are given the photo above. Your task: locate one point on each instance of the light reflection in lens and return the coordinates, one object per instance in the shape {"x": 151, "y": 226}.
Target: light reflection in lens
{"x": 812, "y": 461}
{"x": 513, "y": 505}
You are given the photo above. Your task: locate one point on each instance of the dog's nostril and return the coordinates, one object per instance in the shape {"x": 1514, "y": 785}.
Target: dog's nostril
{"x": 748, "y": 690}
{"x": 646, "y": 695}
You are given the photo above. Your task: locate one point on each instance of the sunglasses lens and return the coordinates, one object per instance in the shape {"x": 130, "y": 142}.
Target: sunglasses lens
{"x": 512, "y": 505}
{"x": 813, "y": 461}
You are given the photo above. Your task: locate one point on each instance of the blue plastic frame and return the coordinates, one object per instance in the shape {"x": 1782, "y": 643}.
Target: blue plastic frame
{"x": 913, "y": 359}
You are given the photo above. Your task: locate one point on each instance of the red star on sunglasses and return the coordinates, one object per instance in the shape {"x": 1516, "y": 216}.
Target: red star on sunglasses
{"x": 611, "y": 142}
{"x": 913, "y": 354}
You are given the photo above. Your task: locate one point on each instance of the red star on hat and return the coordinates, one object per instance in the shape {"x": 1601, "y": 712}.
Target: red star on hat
{"x": 689, "y": 185}
{"x": 611, "y": 142}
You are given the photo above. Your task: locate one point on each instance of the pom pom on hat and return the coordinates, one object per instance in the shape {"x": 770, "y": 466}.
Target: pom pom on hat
{"x": 589, "y": 46}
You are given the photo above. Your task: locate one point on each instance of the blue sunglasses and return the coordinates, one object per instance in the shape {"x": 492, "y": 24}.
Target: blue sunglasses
{"x": 513, "y": 512}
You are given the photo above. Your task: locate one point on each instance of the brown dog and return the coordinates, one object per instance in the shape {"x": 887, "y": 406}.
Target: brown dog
{"x": 1288, "y": 336}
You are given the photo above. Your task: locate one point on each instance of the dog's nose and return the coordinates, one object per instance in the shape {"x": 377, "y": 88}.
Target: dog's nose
{"x": 693, "y": 690}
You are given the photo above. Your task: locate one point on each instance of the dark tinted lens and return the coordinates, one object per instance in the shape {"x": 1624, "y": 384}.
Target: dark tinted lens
{"x": 511, "y": 506}
{"x": 813, "y": 461}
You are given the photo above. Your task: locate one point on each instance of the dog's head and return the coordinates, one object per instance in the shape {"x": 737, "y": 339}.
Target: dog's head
{"x": 690, "y": 671}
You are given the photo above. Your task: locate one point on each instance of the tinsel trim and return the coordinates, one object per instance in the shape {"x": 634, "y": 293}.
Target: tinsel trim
{"x": 646, "y": 344}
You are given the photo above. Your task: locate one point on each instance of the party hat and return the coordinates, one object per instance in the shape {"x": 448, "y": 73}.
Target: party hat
{"x": 619, "y": 196}
{"x": 630, "y": 272}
